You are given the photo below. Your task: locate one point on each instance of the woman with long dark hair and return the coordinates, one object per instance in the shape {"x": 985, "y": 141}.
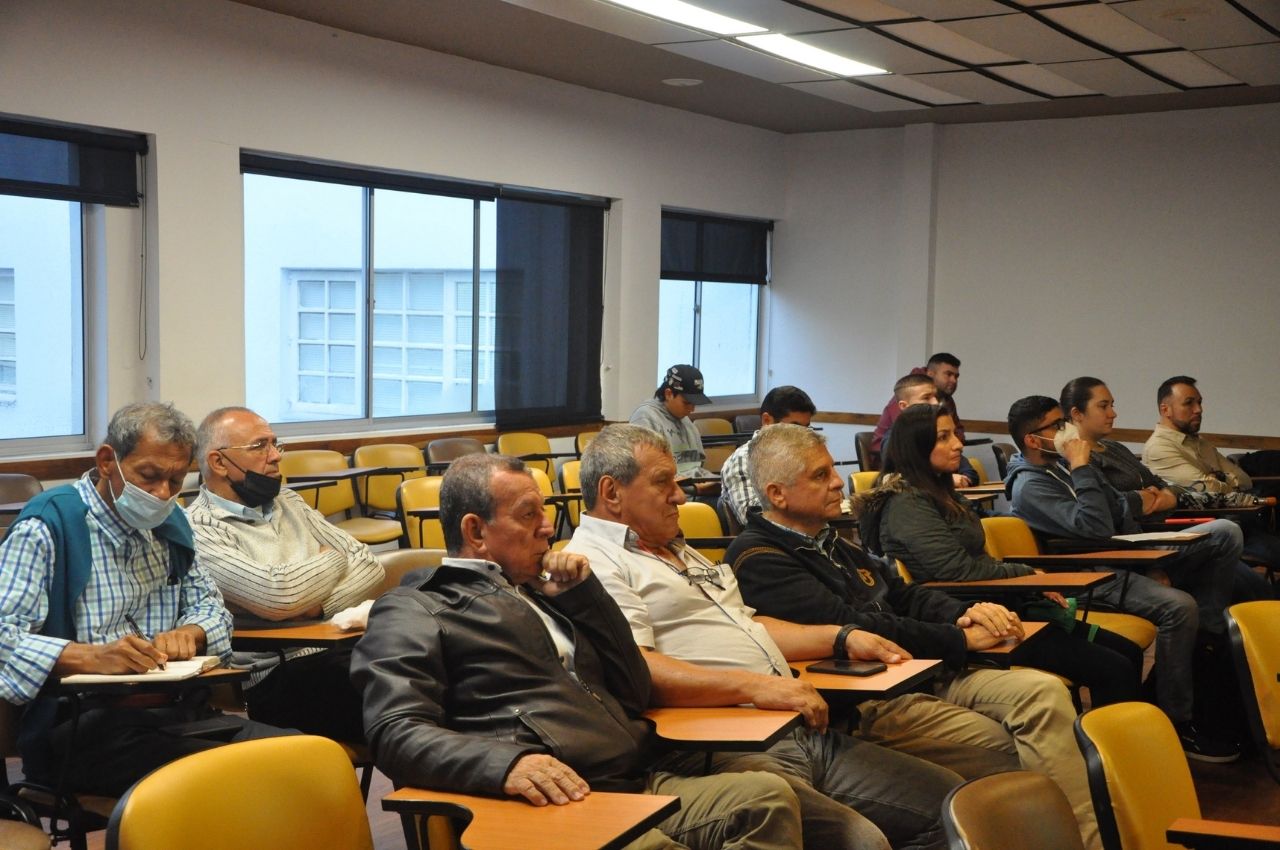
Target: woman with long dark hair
{"x": 916, "y": 516}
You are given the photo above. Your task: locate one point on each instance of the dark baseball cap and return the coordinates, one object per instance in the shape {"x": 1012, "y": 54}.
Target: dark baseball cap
{"x": 685, "y": 380}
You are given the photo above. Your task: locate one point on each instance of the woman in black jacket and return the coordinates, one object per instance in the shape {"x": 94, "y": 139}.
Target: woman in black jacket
{"x": 915, "y": 515}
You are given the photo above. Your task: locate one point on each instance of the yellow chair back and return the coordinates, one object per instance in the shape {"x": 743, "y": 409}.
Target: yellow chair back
{"x": 716, "y": 457}
{"x": 698, "y": 519}
{"x": 290, "y": 793}
{"x": 713, "y": 425}
{"x": 421, "y": 493}
{"x": 544, "y": 485}
{"x": 571, "y": 482}
{"x": 1138, "y": 775}
{"x": 1009, "y": 537}
{"x": 378, "y": 492}
{"x": 397, "y": 563}
{"x": 903, "y": 572}
{"x": 521, "y": 443}
{"x": 979, "y": 468}
{"x": 861, "y": 482}
{"x": 1255, "y": 643}
{"x": 336, "y": 499}
{"x": 583, "y": 440}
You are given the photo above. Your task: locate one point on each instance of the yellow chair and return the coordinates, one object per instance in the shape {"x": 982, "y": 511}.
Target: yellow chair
{"x": 420, "y": 533}
{"x": 289, "y": 793}
{"x": 1138, "y": 776}
{"x": 544, "y": 486}
{"x": 1254, "y": 628}
{"x": 1010, "y": 811}
{"x": 522, "y": 444}
{"x": 378, "y": 492}
{"x": 571, "y": 482}
{"x": 979, "y": 468}
{"x": 340, "y": 498}
{"x": 716, "y": 457}
{"x": 699, "y": 520}
{"x": 713, "y": 425}
{"x": 861, "y": 482}
{"x": 583, "y": 440}
{"x": 903, "y": 572}
{"x": 1009, "y": 537}
{"x": 397, "y": 563}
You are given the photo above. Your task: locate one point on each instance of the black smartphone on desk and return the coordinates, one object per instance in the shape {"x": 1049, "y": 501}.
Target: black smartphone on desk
{"x": 844, "y": 667}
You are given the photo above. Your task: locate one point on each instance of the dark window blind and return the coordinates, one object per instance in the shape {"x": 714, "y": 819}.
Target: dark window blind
{"x": 723, "y": 250}
{"x": 69, "y": 164}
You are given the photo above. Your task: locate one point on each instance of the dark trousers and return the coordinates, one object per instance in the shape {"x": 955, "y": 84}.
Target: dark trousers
{"x": 1109, "y": 665}
{"x": 313, "y": 694}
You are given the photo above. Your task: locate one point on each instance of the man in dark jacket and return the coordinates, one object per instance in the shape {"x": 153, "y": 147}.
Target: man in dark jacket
{"x": 791, "y": 565}
{"x": 509, "y": 671}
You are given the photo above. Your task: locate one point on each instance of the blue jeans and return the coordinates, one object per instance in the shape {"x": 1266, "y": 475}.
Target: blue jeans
{"x": 1206, "y": 569}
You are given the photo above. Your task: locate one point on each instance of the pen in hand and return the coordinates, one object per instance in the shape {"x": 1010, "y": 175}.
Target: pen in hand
{"x": 137, "y": 632}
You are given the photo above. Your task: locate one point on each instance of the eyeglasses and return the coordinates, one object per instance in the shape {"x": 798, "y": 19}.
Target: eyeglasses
{"x": 258, "y": 446}
{"x": 697, "y": 574}
{"x": 1058, "y": 424}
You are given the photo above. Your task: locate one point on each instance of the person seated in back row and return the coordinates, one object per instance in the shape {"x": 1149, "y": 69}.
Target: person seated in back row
{"x": 781, "y": 404}
{"x": 668, "y": 413}
{"x": 275, "y": 557}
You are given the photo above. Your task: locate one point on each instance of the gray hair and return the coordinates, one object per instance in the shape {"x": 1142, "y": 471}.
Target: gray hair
{"x": 211, "y": 434}
{"x": 613, "y": 453}
{"x": 161, "y": 420}
{"x": 777, "y": 454}
{"x": 465, "y": 490}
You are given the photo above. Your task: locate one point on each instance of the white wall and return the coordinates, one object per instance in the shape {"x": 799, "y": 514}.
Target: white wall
{"x": 208, "y": 78}
{"x": 1131, "y": 248}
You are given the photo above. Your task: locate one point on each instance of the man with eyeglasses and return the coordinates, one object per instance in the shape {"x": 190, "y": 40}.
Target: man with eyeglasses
{"x": 1059, "y": 494}
{"x": 276, "y": 558}
{"x": 83, "y": 564}
{"x": 705, "y": 647}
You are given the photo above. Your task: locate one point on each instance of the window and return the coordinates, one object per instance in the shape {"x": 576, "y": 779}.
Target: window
{"x": 8, "y": 339}
{"x": 372, "y": 295}
{"x": 713, "y": 270}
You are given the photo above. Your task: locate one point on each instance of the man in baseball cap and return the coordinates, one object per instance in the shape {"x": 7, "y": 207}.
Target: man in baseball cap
{"x": 668, "y": 414}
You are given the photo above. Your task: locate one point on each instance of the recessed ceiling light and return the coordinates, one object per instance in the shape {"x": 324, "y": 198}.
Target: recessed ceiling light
{"x": 807, "y": 54}
{"x": 690, "y": 15}
{"x": 682, "y": 82}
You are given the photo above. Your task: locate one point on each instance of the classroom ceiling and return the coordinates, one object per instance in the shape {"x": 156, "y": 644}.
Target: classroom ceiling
{"x": 948, "y": 61}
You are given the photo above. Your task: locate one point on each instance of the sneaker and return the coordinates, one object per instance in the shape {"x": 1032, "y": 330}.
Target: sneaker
{"x": 1200, "y": 747}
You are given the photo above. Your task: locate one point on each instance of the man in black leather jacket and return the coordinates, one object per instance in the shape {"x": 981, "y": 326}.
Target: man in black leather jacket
{"x": 509, "y": 671}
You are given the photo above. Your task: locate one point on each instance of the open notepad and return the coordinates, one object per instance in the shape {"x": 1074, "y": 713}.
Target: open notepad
{"x": 1157, "y": 536}
{"x": 175, "y": 671}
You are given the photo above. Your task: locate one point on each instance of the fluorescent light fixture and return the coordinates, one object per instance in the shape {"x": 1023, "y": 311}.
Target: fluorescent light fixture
{"x": 691, "y": 16}
{"x": 807, "y": 54}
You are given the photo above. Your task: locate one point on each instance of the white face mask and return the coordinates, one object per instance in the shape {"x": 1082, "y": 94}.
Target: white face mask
{"x": 137, "y": 507}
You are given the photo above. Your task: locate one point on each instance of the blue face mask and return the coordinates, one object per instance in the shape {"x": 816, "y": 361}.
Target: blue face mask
{"x": 137, "y": 507}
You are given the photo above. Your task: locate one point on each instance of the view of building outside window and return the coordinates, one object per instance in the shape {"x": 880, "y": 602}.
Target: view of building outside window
{"x": 308, "y": 351}
{"x": 41, "y": 319}
{"x": 712, "y": 326}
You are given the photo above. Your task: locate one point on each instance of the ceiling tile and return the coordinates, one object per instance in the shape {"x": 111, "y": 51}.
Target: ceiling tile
{"x": 1186, "y": 68}
{"x": 868, "y": 46}
{"x": 976, "y": 87}
{"x": 911, "y": 87}
{"x": 1107, "y": 27}
{"x": 1195, "y": 24}
{"x": 1036, "y": 77}
{"x": 945, "y": 10}
{"x": 612, "y": 19}
{"x": 939, "y": 39}
{"x": 1256, "y": 64}
{"x": 1111, "y": 77}
{"x": 1024, "y": 37}
{"x": 744, "y": 60}
{"x": 855, "y": 95}
{"x": 864, "y": 11}
{"x": 1268, "y": 10}
{"x": 772, "y": 15}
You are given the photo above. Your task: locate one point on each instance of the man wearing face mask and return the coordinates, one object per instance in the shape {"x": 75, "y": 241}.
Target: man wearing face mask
{"x": 1061, "y": 495}
{"x": 80, "y": 562}
{"x": 276, "y": 558}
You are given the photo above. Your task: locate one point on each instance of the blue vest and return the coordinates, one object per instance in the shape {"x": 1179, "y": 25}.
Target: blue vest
{"x": 64, "y": 513}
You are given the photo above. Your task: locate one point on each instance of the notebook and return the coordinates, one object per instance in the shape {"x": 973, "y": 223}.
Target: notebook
{"x": 1157, "y": 536}
{"x": 175, "y": 671}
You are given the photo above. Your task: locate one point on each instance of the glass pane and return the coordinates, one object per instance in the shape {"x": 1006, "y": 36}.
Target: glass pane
{"x": 311, "y": 358}
{"x": 389, "y": 291}
{"x": 462, "y": 297}
{"x": 342, "y": 295}
{"x": 8, "y": 345}
{"x": 311, "y": 293}
{"x": 486, "y": 331}
{"x": 386, "y": 398}
{"x": 488, "y": 263}
{"x": 428, "y": 329}
{"x": 728, "y": 355}
{"x": 462, "y": 363}
{"x": 387, "y": 327}
{"x": 342, "y": 390}
{"x": 428, "y": 362}
{"x": 41, "y": 284}
{"x": 296, "y": 233}
{"x": 342, "y": 359}
{"x": 430, "y": 239}
{"x": 675, "y": 326}
{"x": 386, "y": 359}
{"x": 462, "y": 330}
{"x": 426, "y": 292}
{"x": 488, "y": 289}
{"x": 342, "y": 326}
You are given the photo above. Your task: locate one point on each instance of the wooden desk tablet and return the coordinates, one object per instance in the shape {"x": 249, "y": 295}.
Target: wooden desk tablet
{"x": 1000, "y": 652}
{"x": 992, "y": 487}
{"x": 323, "y": 634}
{"x": 1065, "y": 582}
{"x": 1137, "y": 558}
{"x": 739, "y": 728}
{"x": 1227, "y": 835}
{"x": 601, "y": 820}
{"x": 12, "y": 507}
{"x": 898, "y": 678}
{"x": 216, "y": 676}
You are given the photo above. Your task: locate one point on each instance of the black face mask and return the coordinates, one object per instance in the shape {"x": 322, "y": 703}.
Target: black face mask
{"x": 256, "y": 489}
